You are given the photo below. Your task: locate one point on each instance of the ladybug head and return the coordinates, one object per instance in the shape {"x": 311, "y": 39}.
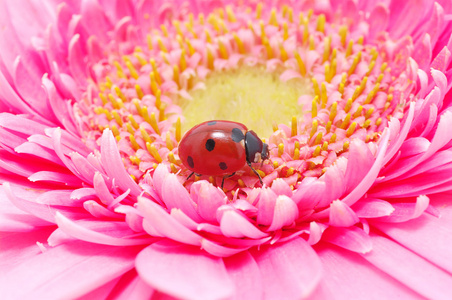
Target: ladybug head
{"x": 256, "y": 151}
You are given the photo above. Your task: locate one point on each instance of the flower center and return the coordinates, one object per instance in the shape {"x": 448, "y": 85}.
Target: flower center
{"x": 248, "y": 95}
{"x": 318, "y": 79}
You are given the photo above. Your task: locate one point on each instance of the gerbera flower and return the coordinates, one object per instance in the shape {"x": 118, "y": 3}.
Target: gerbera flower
{"x": 352, "y": 97}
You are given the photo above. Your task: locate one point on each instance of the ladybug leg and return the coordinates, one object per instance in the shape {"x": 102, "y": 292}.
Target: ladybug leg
{"x": 191, "y": 174}
{"x": 255, "y": 172}
{"x": 224, "y": 177}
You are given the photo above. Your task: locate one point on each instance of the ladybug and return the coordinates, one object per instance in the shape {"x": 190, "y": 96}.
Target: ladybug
{"x": 221, "y": 148}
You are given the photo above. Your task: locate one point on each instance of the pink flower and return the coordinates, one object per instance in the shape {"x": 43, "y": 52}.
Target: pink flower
{"x": 95, "y": 202}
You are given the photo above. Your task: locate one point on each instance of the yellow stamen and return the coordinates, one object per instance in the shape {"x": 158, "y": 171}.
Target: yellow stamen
{"x": 149, "y": 41}
{"x": 108, "y": 82}
{"x": 318, "y": 138}
{"x": 311, "y": 43}
{"x": 346, "y": 121}
{"x": 268, "y": 47}
{"x": 317, "y": 151}
{"x": 230, "y": 13}
{"x": 358, "y": 112}
{"x": 371, "y": 67}
{"x": 103, "y": 98}
{"x": 333, "y": 138}
{"x": 120, "y": 94}
{"x": 117, "y": 118}
{"x": 346, "y": 146}
{"x": 323, "y": 95}
{"x": 321, "y": 23}
{"x": 135, "y": 160}
{"x": 328, "y": 126}
{"x": 153, "y": 151}
{"x": 173, "y": 168}
{"x": 326, "y": 49}
{"x": 155, "y": 71}
{"x": 201, "y": 19}
{"x": 280, "y": 149}
{"x": 349, "y": 49}
{"x": 372, "y": 93}
{"x": 151, "y": 120}
{"x": 315, "y": 85}
{"x": 241, "y": 183}
{"x": 333, "y": 111}
{"x": 343, "y": 34}
{"x": 378, "y": 122}
{"x": 144, "y": 134}
{"x": 294, "y": 126}
{"x": 191, "y": 50}
{"x": 172, "y": 159}
{"x": 300, "y": 63}
{"x": 325, "y": 146}
{"x": 119, "y": 69}
{"x": 273, "y": 21}
{"x": 358, "y": 91}
{"x": 360, "y": 40}
{"x": 315, "y": 125}
{"x": 383, "y": 67}
{"x": 134, "y": 143}
{"x": 290, "y": 171}
{"x": 367, "y": 124}
{"x": 208, "y": 36}
{"x": 130, "y": 128}
{"x": 137, "y": 104}
{"x": 161, "y": 45}
{"x": 114, "y": 130}
{"x": 290, "y": 15}
{"x": 139, "y": 91}
{"x": 285, "y": 31}
{"x": 176, "y": 77}
{"x": 223, "y": 50}
{"x": 169, "y": 143}
{"x": 210, "y": 58}
{"x": 154, "y": 86}
{"x": 259, "y": 7}
{"x": 275, "y": 126}
{"x": 351, "y": 129}
{"x": 133, "y": 121}
{"x": 297, "y": 144}
{"x": 132, "y": 70}
{"x": 296, "y": 154}
{"x": 356, "y": 61}
{"x": 369, "y": 112}
{"x": 314, "y": 107}
{"x": 239, "y": 43}
{"x": 283, "y": 53}
{"x": 275, "y": 164}
{"x": 178, "y": 130}
{"x": 261, "y": 173}
{"x": 164, "y": 30}
{"x": 183, "y": 61}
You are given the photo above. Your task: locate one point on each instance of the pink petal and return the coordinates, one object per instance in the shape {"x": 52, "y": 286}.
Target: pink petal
{"x": 341, "y": 215}
{"x": 131, "y": 287}
{"x": 407, "y": 211}
{"x": 417, "y": 273}
{"x": 244, "y": 272}
{"x": 112, "y": 162}
{"x": 427, "y": 235}
{"x": 67, "y": 271}
{"x": 285, "y": 213}
{"x": 266, "y": 206}
{"x": 355, "y": 278}
{"x": 166, "y": 224}
{"x": 372, "y": 208}
{"x": 184, "y": 272}
{"x": 175, "y": 195}
{"x": 235, "y": 224}
{"x": 77, "y": 230}
{"x": 360, "y": 160}
{"x": 289, "y": 271}
{"x": 208, "y": 198}
{"x": 351, "y": 238}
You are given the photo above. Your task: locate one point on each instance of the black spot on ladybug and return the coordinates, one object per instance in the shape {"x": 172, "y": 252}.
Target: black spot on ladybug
{"x": 210, "y": 144}
{"x": 237, "y": 135}
{"x": 212, "y": 123}
{"x": 190, "y": 162}
{"x": 223, "y": 165}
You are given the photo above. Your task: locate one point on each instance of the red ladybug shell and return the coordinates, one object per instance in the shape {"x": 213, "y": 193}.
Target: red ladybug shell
{"x": 214, "y": 148}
